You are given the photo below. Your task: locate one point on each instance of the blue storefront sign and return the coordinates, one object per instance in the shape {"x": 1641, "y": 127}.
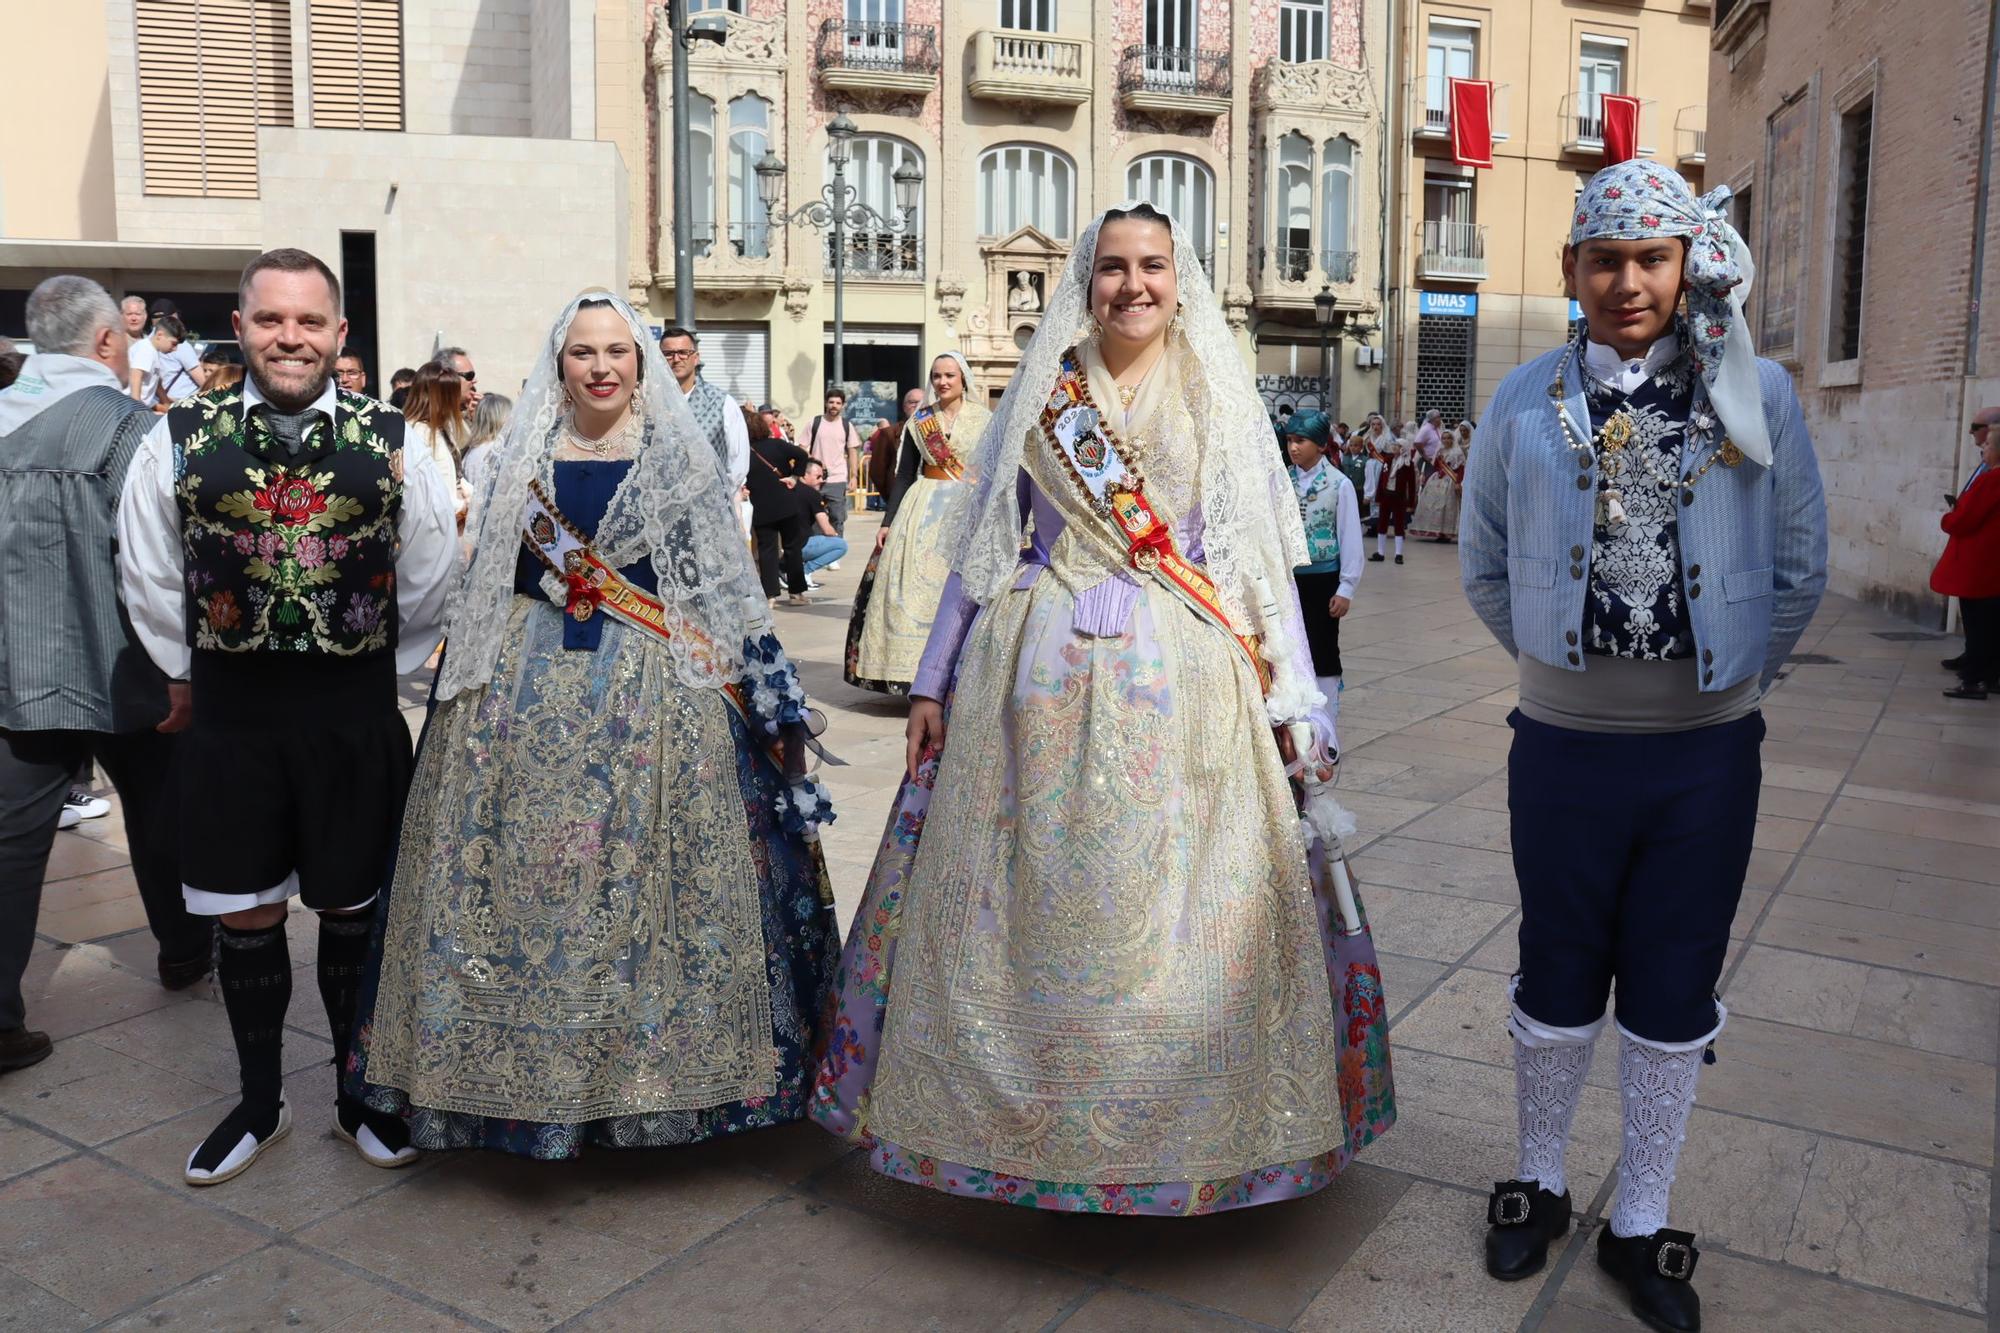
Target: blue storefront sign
{"x": 1460, "y": 305}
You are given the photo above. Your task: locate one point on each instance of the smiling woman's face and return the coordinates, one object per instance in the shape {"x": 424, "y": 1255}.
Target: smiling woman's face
{"x": 1133, "y": 288}
{"x": 1629, "y": 290}
{"x": 600, "y": 362}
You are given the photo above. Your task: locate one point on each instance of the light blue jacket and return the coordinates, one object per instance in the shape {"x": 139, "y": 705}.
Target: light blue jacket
{"x": 1753, "y": 543}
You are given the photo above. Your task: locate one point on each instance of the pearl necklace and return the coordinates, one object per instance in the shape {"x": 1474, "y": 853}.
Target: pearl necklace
{"x": 1610, "y": 444}
{"x": 605, "y": 443}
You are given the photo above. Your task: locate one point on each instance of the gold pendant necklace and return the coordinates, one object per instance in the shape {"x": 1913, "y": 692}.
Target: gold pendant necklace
{"x": 604, "y": 443}
{"x": 1126, "y": 393}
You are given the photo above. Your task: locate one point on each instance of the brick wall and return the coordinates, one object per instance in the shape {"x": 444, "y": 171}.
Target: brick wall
{"x": 1892, "y": 443}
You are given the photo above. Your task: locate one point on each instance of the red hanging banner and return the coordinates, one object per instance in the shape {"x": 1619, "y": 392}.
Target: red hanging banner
{"x": 1621, "y": 128}
{"x": 1471, "y": 122}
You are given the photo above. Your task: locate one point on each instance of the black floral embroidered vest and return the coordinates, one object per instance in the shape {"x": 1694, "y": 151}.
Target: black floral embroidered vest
{"x": 284, "y": 553}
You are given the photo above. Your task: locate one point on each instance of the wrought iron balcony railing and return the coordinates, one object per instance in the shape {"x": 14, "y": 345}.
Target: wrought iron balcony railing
{"x": 880, "y": 48}
{"x": 889, "y": 256}
{"x": 1453, "y": 250}
{"x": 1174, "y": 70}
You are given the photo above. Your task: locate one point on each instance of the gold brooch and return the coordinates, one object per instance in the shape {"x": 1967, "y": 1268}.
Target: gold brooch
{"x": 1617, "y": 432}
{"x": 1731, "y": 455}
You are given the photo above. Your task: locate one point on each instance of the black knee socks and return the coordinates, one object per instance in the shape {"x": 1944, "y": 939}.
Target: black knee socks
{"x": 343, "y": 957}
{"x": 254, "y": 968}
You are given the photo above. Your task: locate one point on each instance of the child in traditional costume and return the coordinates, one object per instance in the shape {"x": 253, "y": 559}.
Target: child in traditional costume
{"x": 1644, "y": 529}
{"x": 1332, "y": 521}
{"x": 1396, "y": 492}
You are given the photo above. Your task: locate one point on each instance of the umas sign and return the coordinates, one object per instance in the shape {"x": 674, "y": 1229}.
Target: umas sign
{"x": 1463, "y": 305}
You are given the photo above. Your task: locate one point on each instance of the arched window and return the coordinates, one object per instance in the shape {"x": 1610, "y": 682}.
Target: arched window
{"x": 749, "y": 140}
{"x": 1183, "y": 189}
{"x": 1336, "y": 208}
{"x": 890, "y": 250}
{"x": 701, "y": 146}
{"x": 1024, "y": 185}
{"x": 1291, "y": 207}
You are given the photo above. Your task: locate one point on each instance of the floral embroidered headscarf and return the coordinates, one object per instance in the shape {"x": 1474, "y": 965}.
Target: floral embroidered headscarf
{"x": 1638, "y": 200}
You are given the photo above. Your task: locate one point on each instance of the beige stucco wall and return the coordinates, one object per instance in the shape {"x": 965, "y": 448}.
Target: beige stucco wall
{"x": 55, "y": 159}
{"x": 1524, "y": 199}
{"x": 447, "y": 259}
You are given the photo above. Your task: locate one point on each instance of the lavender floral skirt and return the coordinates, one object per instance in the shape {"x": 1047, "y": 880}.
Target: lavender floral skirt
{"x": 862, "y": 982}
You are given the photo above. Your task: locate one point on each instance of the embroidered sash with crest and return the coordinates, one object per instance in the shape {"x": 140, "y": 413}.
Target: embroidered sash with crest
{"x": 930, "y": 431}
{"x": 1112, "y": 488}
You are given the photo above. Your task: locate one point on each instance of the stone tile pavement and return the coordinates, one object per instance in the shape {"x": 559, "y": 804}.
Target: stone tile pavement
{"x": 1840, "y": 1171}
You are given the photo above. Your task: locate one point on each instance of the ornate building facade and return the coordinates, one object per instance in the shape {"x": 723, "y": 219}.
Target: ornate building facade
{"x": 1256, "y": 123}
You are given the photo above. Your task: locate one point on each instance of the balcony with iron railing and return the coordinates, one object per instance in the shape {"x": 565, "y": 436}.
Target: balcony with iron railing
{"x": 1290, "y": 275}
{"x": 1029, "y": 68}
{"x": 738, "y": 257}
{"x": 878, "y": 255}
{"x": 1430, "y": 116}
{"x": 1454, "y": 251}
{"x": 869, "y": 57}
{"x": 1691, "y": 136}
{"x": 1174, "y": 81}
{"x": 1583, "y": 124}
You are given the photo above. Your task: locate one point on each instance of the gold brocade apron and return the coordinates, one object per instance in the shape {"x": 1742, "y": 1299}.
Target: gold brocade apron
{"x": 1111, "y": 970}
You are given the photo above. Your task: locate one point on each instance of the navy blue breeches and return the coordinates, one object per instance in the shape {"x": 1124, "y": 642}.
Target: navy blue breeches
{"x": 1631, "y": 852}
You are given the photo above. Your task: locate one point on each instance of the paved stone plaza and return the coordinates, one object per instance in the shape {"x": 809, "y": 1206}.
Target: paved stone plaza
{"x": 1839, "y": 1167}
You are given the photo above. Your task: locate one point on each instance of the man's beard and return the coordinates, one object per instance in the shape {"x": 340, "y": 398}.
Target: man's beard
{"x": 283, "y": 399}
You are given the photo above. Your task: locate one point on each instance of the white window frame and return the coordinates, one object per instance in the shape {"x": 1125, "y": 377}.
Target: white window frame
{"x": 701, "y": 138}
{"x": 1591, "y": 70}
{"x": 1159, "y": 178}
{"x": 1027, "y": 15}
{"x": 1049, "y": 206}
{"x": 1303, "y": 31}
{"x": 749, "y": 227}
{"x": 1441, "y": 40}
{"x": 1328, "y": 169}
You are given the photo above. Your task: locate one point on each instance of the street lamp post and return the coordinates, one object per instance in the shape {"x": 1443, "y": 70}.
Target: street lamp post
{"x": 1325, "y": 310}
{"x": 684, "y": 35}
{"x": 837, "y": 208}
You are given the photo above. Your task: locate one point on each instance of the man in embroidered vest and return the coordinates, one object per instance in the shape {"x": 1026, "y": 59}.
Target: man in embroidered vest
{"x": 1644, "y": 530}
{"x": 283, "y": 557}
{"x": 718, "y": 414}
{"x": 74, "y": 684}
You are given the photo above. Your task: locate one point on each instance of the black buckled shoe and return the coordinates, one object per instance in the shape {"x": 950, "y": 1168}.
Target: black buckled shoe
{"x": 1522, "y": 1219}
{"x": 1655, "y": 1271}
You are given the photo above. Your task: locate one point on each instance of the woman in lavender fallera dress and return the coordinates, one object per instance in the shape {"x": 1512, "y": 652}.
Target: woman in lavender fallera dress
{"x": 1101, "y": 964}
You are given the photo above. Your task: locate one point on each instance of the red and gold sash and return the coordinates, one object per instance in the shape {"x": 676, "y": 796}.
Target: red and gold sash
{"x": 936, "y": 443}
{"x": 594, "y": 587}
{"x": 1112, "y": 488}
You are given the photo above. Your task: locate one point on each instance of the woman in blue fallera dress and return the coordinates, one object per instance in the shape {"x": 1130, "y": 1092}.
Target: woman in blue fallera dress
{"x": 609, "y": 922}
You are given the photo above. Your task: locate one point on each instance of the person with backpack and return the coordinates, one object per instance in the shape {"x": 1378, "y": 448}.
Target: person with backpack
{"x": 831, "y": 441}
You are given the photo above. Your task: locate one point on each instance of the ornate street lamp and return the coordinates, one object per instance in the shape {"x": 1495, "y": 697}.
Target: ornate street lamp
{"x": 1326, "y": 311}
{"x": 839, "y": 209}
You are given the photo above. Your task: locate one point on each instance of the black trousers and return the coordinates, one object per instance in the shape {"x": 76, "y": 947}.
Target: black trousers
{"x": 1982, "y": 640}
{"x": 1631, "y": 852}
{"x": 36, "y": 768}
{"x": 783, "y": 540}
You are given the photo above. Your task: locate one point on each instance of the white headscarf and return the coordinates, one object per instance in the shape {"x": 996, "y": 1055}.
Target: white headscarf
{"x": 674, "y": 507}
{"x": 1250, "y": 513}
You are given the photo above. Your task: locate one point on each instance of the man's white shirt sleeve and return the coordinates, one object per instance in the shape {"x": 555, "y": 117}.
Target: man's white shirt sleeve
{"x": 426, "y": 556}
{"x": 151, "y": 570}
{"x": 1348, "y": 523}
{"x": 736, "y": 434}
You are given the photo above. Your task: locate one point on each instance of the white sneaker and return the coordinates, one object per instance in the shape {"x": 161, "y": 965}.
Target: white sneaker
{"x": 86, "y": 805}
{"x": 813, "y": 584}
{"x": 69, "y": 817}
{"x": 834, "y": 565}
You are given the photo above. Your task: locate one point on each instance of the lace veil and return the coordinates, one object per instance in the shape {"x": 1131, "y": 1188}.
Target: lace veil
{"x": 1252, "y": 530}
{"x": 674, "y": 506}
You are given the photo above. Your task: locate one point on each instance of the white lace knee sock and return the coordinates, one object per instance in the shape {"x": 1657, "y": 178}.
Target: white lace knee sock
{"x": 1548, "y": 1083}
{"x": 1658, "y": 1088}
